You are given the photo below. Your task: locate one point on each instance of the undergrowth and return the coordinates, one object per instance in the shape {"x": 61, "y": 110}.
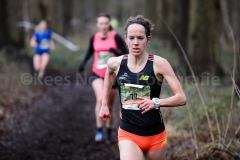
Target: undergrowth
{"x": 13, "y": 90}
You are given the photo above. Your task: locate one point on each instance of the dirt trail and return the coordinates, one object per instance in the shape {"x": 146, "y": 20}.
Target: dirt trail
{"x": 59, "y": 124}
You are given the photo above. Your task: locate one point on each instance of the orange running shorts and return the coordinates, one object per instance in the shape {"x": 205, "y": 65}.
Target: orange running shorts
{"x": 146, "y": 143}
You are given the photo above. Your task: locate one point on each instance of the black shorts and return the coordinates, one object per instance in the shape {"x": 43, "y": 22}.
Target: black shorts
{"x": 95, "y": 76}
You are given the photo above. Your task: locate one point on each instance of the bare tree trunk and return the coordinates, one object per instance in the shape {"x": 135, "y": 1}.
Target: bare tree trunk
{"x": 175, "y": 13}
{"x": 4, "y": 32}
{"x": 67, "y": 7}
{"x": 14, "y": 15}
{"x": 235, "y": 23}
{"x": 154, "y": 9}
{"x": 203, "y": 35}
{"x": 179, "y": 23}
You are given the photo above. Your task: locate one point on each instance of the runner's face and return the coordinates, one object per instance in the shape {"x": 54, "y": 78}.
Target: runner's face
{"x": 136, "y": 39}
{"x": 43, "y": 27}
{"x": 103, "y": 24}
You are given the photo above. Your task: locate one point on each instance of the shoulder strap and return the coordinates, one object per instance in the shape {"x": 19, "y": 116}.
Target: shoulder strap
{"x": 151, "y": 57}
{"x": 125, "y": 56}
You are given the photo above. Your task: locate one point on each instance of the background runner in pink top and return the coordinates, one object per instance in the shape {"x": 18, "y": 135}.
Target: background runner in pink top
{"x": 102, "y": 52}
{"x": 104, "y": 44}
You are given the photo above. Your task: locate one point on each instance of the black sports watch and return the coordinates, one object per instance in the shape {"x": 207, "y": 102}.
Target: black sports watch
{"x": 157, "y": 102}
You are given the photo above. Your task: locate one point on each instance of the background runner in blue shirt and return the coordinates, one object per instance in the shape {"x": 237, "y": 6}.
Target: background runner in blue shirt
{"x": 42, "y": 42}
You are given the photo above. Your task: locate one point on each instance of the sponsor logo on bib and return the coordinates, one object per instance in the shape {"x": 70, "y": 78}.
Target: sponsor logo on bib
{"x": 144, "y": 77}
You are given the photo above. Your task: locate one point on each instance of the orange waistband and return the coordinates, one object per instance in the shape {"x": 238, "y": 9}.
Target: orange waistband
{"x": 146, "y": 143}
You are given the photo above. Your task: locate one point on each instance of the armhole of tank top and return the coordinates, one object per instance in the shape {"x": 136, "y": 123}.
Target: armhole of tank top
{"x": 93, "y": 39}
{"x": 125, "y": 56}
{"x": 151, "y": 57}
{"x": 113, "y": 33}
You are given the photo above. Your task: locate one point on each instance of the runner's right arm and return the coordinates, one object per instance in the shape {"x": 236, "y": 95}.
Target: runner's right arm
{"x": 33, "y": 42}
{"x": 110, "y": 75}
{"x": 88, "y": 54}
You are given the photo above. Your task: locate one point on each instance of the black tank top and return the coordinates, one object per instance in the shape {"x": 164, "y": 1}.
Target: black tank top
{"x": 144, "y": 84}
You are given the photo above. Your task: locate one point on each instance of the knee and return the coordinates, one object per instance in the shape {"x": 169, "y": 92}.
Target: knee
{"x": 42, "y": 67}
{"x": 36, "y": 67}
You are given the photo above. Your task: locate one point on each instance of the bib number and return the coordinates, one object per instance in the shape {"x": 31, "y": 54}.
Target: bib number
{"x": 129, "y": 94}
{"x": 134, "y": 96}
{"x": 102, "y": 59}
{"x": 44, "y": 44}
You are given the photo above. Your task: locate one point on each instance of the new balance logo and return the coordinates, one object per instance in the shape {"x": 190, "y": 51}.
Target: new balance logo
{"x": 144, "y": 77}
{"x": 164, "y": 142}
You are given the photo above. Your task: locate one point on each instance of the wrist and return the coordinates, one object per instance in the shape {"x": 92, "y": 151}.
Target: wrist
{"x": 153, "y": 105}
{"x": 156, "y": 102}
{"x": 104, "y": 103}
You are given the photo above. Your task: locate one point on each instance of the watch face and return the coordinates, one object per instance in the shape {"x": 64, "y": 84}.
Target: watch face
{"x": 156, "y": 100}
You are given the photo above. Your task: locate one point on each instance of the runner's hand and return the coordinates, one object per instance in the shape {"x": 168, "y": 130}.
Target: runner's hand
{"x": 81, "y": 68}
{"x": 104, "y": 113}
{"x": 145, "y": 104}
{"x": 112, "y": 50}
{"x": 33, "y": 44}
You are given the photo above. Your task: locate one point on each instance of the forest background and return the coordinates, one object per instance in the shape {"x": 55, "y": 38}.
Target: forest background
{"x": 200, "y": 38}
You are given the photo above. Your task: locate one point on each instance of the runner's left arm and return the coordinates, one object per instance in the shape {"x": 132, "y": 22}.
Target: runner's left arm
{"x": 121, "y": 45}
{"x": 163, "y": 69}
{"x": 52, "y": 45}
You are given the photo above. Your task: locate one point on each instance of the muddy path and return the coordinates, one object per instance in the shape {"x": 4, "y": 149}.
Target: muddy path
{"x": 58, "y": 124}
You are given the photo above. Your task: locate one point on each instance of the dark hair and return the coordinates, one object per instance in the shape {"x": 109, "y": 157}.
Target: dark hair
{"x": 139, "y": 19}
{"x": 103, "y": 14}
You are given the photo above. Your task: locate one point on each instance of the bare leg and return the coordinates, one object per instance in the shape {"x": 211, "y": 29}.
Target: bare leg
{"x": 109, "y": 121}
{"x": 110, "y": 105}
{"x": 44, "y": 62}
{"x": 36, "y": 62}
{"x": 129, "y": 150}
{"x": 157, "y": 155}
{"x": 98, "y": 88}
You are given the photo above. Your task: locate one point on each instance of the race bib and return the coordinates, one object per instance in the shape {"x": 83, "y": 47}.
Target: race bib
{"x": 103, "y": 58}
{"x": 129, "y": 94}
{"x": 44, "y": 44}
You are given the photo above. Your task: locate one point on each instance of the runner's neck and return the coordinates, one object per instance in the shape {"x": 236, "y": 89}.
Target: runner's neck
{"x": 137, "y": 63}
{"x": 104, "y": 36}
